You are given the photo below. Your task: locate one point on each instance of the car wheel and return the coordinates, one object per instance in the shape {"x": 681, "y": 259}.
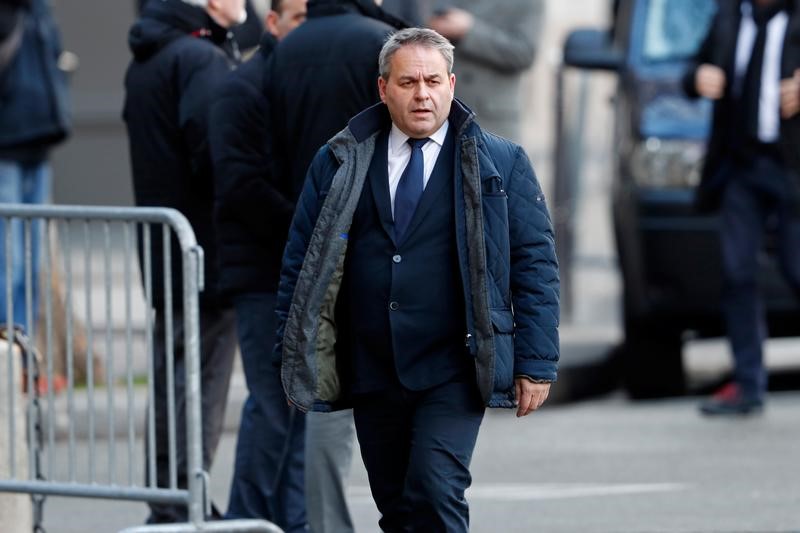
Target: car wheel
{"x": 652, "y": 366}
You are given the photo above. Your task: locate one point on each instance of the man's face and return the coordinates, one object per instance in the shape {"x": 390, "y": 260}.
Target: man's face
{"x": 227, "y": 13}
{"x": 293, "y": 13}
{"x": 419, "y": 90}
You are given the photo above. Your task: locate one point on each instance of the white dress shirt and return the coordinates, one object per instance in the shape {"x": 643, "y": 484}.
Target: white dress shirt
{"x": 399, "y": 154}
{"x": 769, "y": 105}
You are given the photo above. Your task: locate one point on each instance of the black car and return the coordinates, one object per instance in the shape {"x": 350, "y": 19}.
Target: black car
{"x": 668, "y": 252}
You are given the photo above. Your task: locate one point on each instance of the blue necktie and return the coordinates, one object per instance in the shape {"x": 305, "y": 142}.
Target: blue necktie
{"x": 409, "y": 189}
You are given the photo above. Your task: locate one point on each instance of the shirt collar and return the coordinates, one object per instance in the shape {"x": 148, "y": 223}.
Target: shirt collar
{"x": 398, "y": 139}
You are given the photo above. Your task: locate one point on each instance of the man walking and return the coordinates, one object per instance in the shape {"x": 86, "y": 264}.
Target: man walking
{"x": 747, "y": 65}
{"x": 253, "y": 212}
{"x": 181, "y": 52}
{"x": 419, "y": 285}
{"x": 319, "y": 77}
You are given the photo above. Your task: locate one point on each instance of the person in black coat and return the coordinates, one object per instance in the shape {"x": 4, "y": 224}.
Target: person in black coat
{"x": 253, "y": 211}
{"x": 321, "y": 75}
{"x": 181, "y": 53}
{"x": 246, "y": 34}
{"x": 333, "y": 58}
{"x": 748, "y": 65}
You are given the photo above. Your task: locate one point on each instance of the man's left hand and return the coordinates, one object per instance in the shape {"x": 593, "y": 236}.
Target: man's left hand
{"x": 529, "y": 395}
{"x": 790, "y": 95}
{"x": 453, "y": 24}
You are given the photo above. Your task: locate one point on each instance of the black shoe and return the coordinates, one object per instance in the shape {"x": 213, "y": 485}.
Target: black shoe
{"x": 729, "y": 401}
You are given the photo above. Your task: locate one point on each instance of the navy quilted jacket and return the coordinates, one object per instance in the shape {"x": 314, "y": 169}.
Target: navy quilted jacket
{"x": 506, "y": 255}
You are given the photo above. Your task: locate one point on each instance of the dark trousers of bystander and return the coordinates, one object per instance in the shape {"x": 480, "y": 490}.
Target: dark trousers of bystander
{"x": 217, "y": 349}
{"x": 268, "y": 479}
{"x": 758, "y": 193}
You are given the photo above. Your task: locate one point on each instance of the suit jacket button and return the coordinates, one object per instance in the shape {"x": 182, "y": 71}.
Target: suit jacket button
{"x": 397, "y": 258}
{"x": 394, "y": 306}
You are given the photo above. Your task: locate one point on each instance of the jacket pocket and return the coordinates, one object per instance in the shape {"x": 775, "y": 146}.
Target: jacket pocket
{"x": 492, "y": 187}
{"x": 502, "y": 320}
{"x": 503, "y": 323}
{"x": 497, "y": 240}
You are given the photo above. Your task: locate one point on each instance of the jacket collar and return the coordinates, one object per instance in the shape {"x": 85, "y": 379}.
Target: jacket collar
{"x": 164, "y": 21}
{"x": 367, "y": 8}
{"x": 267, "y": 44}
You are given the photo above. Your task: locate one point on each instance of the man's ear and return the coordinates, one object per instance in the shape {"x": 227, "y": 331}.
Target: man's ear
{"x": 271, "y": 22}
{"x": 382, "y": 88}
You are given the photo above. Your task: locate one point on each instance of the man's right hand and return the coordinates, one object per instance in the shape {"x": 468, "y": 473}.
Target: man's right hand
{"x": 709, "y": 80}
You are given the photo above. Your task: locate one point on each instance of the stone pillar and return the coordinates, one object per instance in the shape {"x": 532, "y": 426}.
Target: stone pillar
{"x": 16, "y": 512}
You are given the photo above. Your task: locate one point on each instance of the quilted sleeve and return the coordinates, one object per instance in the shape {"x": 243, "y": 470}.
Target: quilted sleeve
{"x": 534, "y": 275}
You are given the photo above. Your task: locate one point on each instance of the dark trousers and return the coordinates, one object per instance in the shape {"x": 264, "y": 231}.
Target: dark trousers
{"x": 755, "y": 194}
{"x": 417, "y": 447}
{"x": 268, "y": 479}
{"x": 217, "y": 349}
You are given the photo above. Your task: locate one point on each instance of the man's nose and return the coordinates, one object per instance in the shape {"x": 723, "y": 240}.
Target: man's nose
{"x": 422, "y": 92}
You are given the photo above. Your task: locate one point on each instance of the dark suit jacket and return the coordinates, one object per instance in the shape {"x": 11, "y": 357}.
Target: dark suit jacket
{"x": 420, "y": 342}
{"x": 252, "y": 208}
{"x": 719, "y": 48}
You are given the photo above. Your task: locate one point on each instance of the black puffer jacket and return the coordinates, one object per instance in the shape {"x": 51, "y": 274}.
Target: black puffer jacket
{"x": 180, "y": 56}
{"x": 322, "y": 74}
{"x": 252, "y": 209}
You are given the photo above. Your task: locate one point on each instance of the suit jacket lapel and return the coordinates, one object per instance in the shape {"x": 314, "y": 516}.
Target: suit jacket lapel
{"x": 379, "y": 183}
{"x": 729, "y": 48}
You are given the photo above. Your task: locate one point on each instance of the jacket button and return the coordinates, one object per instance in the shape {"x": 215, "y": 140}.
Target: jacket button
{"x": 394, "y": 306}
{"x": 397, "y": 258}
{"x": 467, "y": 338}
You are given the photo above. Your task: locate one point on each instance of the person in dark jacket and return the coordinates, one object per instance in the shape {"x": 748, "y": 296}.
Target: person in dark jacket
{"x": 252, "y": 216}
{"x": 247, "y": 34}
{"x": 419, "y": 285}
{"x": 181, "y": 53}
{"x": 748, "y": 65}
{"x": 321, "y": 75}
{"x": 33, "y": 119}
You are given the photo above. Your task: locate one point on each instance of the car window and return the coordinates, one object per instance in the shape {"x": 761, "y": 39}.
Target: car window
{"x": 674, "y": 29}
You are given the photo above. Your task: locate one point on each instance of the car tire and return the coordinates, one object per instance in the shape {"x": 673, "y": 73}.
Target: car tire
{"x": 652, "y": 364}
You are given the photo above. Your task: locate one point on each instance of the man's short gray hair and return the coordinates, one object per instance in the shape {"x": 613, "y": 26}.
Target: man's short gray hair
{"x": 414, "y": 37}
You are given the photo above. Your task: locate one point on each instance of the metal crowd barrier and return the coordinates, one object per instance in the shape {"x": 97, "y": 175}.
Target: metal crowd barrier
{"x": 48, "y": 459}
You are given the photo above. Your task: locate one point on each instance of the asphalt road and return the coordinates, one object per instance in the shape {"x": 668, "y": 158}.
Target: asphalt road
{"x": 606, "y": 465}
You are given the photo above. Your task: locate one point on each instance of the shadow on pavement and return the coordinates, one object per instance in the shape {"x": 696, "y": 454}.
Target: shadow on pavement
{"x": 597, "y": 376}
